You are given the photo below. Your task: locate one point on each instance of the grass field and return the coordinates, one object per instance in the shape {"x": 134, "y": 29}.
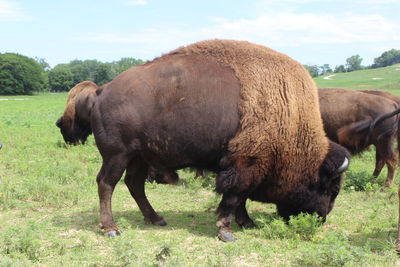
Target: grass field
{"x": 387, "y": 78}
{"x": 49, "y": 211}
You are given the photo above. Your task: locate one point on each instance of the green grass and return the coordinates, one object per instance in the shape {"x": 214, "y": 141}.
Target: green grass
{"x": 364, "y": 79}
{"x": 49, "y": 211}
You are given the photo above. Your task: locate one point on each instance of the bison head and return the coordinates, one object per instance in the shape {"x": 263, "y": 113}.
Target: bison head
{"x": 75, "y": 122}
{"x": 319, "y": 196}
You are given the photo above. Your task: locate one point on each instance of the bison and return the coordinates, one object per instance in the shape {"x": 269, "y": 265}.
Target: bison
{"x": 396, "y": 99}
{"x": 388, "y": 95}
{"x": 242, "y": 110}
{"x": 348, "y": 116}
{"x": 75, "y": 123}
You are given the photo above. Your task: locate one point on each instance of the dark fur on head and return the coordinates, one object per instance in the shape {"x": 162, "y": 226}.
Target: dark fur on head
{"x": 319, "y": 197}
{"x": 308, "y": 196}
{"x": 75, "y": 122}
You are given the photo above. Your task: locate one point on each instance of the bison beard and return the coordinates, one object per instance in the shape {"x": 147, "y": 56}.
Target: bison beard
{"x": 242, "y": 110}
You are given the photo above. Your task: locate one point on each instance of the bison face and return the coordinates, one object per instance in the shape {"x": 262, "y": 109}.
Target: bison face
{"x": 73, "y": 131}
{"x": 319, "y": 197}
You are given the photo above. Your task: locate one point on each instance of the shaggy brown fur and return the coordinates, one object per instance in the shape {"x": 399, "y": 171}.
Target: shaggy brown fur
{"x": 272, "y": 83}
{"x": 242, "y": 110}
{"x": 75, "y": 122}
{"x": 82, "y": 89}
{"x": 348, "y": 116}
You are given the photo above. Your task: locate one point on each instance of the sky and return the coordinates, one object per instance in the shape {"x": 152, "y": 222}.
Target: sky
{"x": 311, "y": 32}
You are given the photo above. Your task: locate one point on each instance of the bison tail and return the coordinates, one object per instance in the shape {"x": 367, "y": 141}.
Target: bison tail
{"x": 355, "y": 136}
{"x": 383, "y": 117}
{"x": 398, "y": 140}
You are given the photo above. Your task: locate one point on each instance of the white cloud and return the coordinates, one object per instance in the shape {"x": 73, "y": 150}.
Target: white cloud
{"x": 137, "y": 3}
{"x": 308, "y": 28}
{"x": 377, "y": 2}
{"x": 281, "y": 29}
{"x": 10, "y": 11}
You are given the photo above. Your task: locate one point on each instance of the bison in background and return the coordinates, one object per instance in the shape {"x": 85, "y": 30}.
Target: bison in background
{"x": 393, "y": 97}
{"x": 396, "y": 99}
{"x": 349, "y": 115}
{"x": 75, "y": 123}
{"x": 244, "y": 111}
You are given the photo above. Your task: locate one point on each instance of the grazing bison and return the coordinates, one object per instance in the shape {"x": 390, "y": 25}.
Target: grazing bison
{"x": 75, "y": 123}
{"x": 239, "y": 109}
{"x": 348, "y": 116}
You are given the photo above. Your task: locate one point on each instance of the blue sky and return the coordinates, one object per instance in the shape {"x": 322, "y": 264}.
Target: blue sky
{"x": 312, "y": 32}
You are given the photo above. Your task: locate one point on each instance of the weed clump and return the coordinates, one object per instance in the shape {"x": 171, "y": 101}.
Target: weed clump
{"x": 21, "y": 243}
{"x": 303, "y": 226}
{"x": 360, "y": 181}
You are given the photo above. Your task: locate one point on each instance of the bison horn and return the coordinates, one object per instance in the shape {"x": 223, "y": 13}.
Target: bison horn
{"x": 344, "y": 166}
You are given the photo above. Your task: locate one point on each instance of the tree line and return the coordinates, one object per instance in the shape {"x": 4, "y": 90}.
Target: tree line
{"x": 23, "y": 75}
{"x": 353, "y": 63}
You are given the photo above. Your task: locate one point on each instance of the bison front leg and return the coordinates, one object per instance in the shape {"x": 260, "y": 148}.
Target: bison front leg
{"x": 109, "y": 175}
{"x": 242, "y": 217}
{"x": 226, "y": 211}
{"x": 398, "y": 224}
{"x": 239, "y": 178}
{"x": 136, "y": 174}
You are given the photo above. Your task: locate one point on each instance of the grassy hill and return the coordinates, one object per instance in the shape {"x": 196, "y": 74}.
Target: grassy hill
{"x": 387, "y": 78}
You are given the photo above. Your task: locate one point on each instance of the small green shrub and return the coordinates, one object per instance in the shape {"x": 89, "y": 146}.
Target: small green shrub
{"x": 303, "y": 226}
{"x": 359, "y": 181}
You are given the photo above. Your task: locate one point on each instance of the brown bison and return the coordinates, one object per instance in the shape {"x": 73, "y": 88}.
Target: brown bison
{"x": 239, "y": 109}
{"x": 75, "y": 123}
{"x": 396, "y": 99}
{"x": 393, "y": 97}
{"x": 348, "y": 116}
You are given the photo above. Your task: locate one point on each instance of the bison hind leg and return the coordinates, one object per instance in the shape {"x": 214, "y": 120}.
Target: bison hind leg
{"x": 136, "y": 174}
{"x": 107, "y": 178}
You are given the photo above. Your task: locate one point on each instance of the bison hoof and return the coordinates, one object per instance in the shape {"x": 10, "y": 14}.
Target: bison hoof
{"x": 226, "y": 236}
{"x": 248, "y": 225}
{"x": 113, "y": 233}
{"x": 162, "y": 223}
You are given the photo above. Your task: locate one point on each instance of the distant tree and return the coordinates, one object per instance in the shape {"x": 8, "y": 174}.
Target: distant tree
{"x": 353, "y": 63}
{"x": 80, "y": 73}
{"x": 324, "y": 69}
{"x": 42, "y": 62}
{"x": 102, "y": 74}
{"x": 61, "y": 78}
{"x": 20, "y": 75}
{"x": 340, "y": 68}
{"x": 91, "y": 66}
{"x": 387, "y": 58}
{"x": 123, "y": 64}
{"x": 313, "y": 70}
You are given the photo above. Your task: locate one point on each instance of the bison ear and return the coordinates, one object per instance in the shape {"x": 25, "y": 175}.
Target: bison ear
{"x": 83, "y": 106}
{"x": 336, "y": 161}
